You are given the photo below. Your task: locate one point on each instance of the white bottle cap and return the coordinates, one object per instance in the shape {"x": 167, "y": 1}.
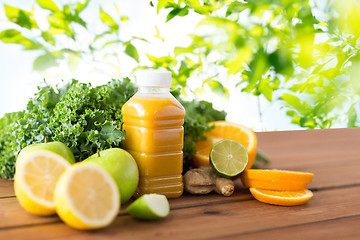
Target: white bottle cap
{"x": 153, "y": 78}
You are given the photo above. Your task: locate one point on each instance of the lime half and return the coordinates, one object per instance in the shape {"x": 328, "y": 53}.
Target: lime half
{"x": 149, "y": 207}
{"x": 228, "y": 157}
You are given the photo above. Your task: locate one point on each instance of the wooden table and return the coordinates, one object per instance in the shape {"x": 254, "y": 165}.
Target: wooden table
{"x": 333, "y": 213}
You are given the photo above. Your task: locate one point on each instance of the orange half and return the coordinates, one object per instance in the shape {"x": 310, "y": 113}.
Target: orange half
{"x": 225, "y": 130}
{"x": 276, "y": 179}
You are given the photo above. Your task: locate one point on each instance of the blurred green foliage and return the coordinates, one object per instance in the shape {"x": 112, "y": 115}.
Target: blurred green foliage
{"x": 60, "y": 40}
{"x": 279, "y": 49}
{"x": 304, "y": 54}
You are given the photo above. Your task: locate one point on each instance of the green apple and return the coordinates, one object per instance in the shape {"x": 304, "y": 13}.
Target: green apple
{"x": 58, "y": 148}
{"x": 149, "y": 207}
{"x": 122, "y": 167}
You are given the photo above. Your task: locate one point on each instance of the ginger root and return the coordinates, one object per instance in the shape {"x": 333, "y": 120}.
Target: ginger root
{"x": 203, "y": 180}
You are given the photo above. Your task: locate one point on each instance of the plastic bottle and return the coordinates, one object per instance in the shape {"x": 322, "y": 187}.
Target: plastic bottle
{"x": 153, "y": 121}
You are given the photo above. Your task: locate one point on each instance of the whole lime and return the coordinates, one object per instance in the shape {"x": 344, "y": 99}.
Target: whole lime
{"x": 122, "y": 167}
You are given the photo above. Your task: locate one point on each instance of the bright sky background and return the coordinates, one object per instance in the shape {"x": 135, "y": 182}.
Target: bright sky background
{"x": 18, "y": 81}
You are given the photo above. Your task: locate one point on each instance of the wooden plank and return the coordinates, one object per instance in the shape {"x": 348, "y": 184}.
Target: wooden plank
{"x": 338, "y": 228}
{"x": 16, "y": 216}
{"x": 190, "y": 201}
{"x": 309, "y": 148}
{"x": 328, "y": 173}
{"x": 215, "y": 221}
{"x": 12, "y": 215}
{"x": 332, "y": 155}
{"x": 6, "y": 188}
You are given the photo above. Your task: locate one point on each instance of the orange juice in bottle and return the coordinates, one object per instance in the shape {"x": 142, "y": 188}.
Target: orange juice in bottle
{"x": 153, "y": 121}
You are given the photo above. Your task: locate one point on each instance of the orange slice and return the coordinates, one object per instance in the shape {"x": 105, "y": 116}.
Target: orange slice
{"x": 282, "y": 198}
{"x": 225, "y": 130}
{"x": 276, "y": 179}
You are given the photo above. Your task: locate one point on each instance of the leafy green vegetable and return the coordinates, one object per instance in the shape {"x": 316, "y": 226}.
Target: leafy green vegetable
{"x": 86, "y": 119}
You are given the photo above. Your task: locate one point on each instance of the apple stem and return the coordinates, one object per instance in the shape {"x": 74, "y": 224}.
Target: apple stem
{"x": 46, "y": 138}
{"x": 98, "y": 152}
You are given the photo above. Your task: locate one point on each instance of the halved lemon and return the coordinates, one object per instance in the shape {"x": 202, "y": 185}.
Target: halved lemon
{"x": 87, "y": 197}
{"x": 35, "y": 181}
{"x": 282, "y": 198}
{"x": 225, "y": 130}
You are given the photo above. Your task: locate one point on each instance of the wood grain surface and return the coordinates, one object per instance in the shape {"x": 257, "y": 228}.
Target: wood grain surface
{"x": 333, "y": 213}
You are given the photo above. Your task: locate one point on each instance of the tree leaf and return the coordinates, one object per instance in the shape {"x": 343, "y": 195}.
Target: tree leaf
{"x": 352, "y": 116}
{"x": 181, "y": 50}
{"x": 14, "y": 36}
{"x": 241, "y": 57}
{"x": 109, "y": 21}
{"x": 354, "y": 76}
{"x": 20, "y": 17}
{"x": 265, "y": 88}
{"x": 235, "y": 7}
{"x": 258, "y": 66}
{"x": 59, "y": 24}
{"x": 217, "y": 87}
{"x": 162, "y": 62}
{"x": 181, "y": 12}
{"x": 292, "y": 100}
{"x": 296, "y": 103}
{"x": 79, "y": 20}
{"x": 131, "y": 51}
{"x": 68, "y": 16}
{"x": 231, "y": 27}
{"x": 99, "y": 36}
{"x": 73, "y": 61}
{"x": 329, "y": 104}
{"x": 281, "y": 60}
{"x": 187, "y": 67}
{"x": 162, "y": 4}
{"x": 111, "y": 42}
{"x": 48, "y": 37}
{"x": 201, "y": 9}
{"x": 158, "y": 34}
{"x": 81, "y": 6}
{"x": 45, "y": 61}
{"x": 49, "y": 5}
